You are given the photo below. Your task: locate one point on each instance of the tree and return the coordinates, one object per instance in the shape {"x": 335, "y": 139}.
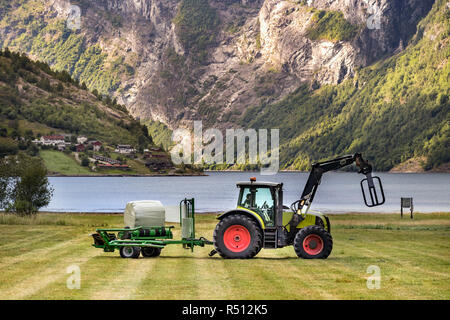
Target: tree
{"x": 142, "y": 141}
{"x": 85, "y": 162}
{"x": 8, "y": 146}
{"x": 33, "y": 150}
{"x": 29, "y": 135}
{"x": 32, "y": 191}
{"x": 25, "y": 186}
{"x": 5, "y": 181}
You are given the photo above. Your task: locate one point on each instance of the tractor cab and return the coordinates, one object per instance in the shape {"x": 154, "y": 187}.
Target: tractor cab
{"x": 263, "y": 198}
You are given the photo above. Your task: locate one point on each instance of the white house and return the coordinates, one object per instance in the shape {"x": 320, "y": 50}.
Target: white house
{"x": 61, "y": 146}
{"x": 53, "y": 140}
{"x": 124, "y": 149}
{"x": 81, "y": 139}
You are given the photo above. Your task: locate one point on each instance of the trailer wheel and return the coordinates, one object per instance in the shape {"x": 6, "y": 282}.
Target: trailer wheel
{"x": 130, "y": 252}
{"x": 148, "y": 252}
{"x": 237, "y": 237}
{"x": 313, "y": 242}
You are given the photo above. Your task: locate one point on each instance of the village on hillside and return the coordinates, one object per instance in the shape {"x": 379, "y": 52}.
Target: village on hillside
{"x": 100, "y": 157}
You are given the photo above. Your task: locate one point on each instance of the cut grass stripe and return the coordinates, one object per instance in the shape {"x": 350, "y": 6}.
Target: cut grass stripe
{"x": 213, "y": 280}
{"x": 41, "y": 254}
{"x": 45, "y": 276}
{"x": 124, "y": 282}
{"x": 174, "y": 276}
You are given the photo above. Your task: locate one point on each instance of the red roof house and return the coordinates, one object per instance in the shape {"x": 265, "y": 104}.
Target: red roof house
{"x": 96, "y": 145}
{"x": 79, "y": 147}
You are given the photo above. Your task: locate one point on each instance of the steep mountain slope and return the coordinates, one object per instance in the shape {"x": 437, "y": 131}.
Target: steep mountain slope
{"x": 394, "y": 110}
{"x": 329, "y": 73}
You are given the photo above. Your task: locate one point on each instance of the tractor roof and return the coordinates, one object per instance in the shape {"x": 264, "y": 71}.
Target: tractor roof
{"x": 258, "y": 184}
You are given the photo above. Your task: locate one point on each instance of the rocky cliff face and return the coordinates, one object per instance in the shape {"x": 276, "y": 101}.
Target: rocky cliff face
{"x": 259, "y": 51}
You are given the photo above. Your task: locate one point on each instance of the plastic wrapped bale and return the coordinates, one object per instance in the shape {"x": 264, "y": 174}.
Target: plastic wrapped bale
{"x": 145, "y": 213}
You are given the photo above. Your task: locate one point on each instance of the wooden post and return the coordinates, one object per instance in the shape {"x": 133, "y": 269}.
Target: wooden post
{"x": 401, "y": 208}
{"x": 412, "y": 208}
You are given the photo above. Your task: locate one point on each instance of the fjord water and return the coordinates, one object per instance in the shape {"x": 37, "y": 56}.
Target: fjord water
{"x": 339, "y": 192}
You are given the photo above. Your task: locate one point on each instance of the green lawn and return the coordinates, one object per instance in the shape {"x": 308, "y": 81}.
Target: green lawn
{"x": 59, "y": 162}
{"x": 413, "y": 256}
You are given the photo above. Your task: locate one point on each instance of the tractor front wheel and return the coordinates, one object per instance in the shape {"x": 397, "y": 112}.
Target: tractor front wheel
{"x": 313, "y": 242}
{"x": 130, "y": 252}
{"x": 238, "y": 237}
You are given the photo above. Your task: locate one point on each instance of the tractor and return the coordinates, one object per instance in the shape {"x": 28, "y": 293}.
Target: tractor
{"x": 262, "y": 221}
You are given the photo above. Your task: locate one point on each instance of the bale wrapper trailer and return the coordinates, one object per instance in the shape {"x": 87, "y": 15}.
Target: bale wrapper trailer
{"x": 150, "y": 240}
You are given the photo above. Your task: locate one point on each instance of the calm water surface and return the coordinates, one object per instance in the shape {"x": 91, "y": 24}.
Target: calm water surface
{"x": 338, "y": 192}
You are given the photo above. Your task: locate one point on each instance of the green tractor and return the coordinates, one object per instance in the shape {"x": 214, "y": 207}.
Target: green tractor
{"x": 262, "y": 221}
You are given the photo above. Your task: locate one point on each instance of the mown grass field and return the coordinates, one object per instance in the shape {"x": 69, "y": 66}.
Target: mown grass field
{"x": 57, "y": 161}
{"x": 413, "y": 256}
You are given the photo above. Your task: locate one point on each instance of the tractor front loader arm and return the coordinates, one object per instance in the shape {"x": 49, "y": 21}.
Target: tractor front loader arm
{"x": 315, "y": 176}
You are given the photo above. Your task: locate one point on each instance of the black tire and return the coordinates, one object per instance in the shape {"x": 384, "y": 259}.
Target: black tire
{"x": 255, "y": 243}
{"x": 130, "y": 252}
{"x": 126, "y": 234}
{"x": 315, "y": 236}
{"x": 149, "y": 252}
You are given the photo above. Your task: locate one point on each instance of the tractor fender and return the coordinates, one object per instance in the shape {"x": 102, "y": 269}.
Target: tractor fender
{"x": 246, "y": 212}
{"x": 321, "y": 216}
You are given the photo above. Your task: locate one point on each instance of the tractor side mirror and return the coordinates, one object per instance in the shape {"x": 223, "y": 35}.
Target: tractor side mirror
{"x": 375, "y": 197}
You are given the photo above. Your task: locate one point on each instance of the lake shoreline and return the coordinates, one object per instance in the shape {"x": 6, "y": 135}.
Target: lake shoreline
{"x": 205, "y": 173}
{"x": 405, "y": 213}
{"x": 339, "y": 171}
{"x": 124, "y": 175}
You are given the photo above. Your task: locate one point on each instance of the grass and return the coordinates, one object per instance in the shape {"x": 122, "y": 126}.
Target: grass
{"x": 413, "y": 256}
{"x": 59, "y": 162}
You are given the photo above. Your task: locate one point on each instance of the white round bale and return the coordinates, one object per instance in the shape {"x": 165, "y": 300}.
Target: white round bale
{"x": 145, "y": 213}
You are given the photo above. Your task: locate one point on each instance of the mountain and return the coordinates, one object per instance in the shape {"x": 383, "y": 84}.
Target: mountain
{"x": 335, "y": 76}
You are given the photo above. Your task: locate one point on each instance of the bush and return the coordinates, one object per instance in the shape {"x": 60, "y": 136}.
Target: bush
{"x": 85, "y": 162}
{"x": 331, "y": 25}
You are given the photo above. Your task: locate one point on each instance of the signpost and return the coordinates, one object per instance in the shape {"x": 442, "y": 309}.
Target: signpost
{"x": 406, "y": 203}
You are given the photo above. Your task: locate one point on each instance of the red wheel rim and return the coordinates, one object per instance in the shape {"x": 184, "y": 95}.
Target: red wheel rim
{"x": 313, "y": 244}
{"x": 236, "y": 238}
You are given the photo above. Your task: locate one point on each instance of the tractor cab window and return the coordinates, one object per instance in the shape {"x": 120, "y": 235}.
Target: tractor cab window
{"x": 260, "y": 200}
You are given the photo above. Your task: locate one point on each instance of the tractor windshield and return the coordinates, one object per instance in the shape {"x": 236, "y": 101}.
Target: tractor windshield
{"x": 260, "y": 200}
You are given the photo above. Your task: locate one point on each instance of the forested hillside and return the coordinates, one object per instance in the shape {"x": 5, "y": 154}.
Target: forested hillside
{"x": 392, "y": 111}
{"x": 49, "y": 115}
{"x": 33, "y": 95}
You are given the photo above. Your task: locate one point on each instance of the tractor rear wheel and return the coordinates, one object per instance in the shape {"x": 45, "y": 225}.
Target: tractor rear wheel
{"x": 148, "y": 252}
{"x": 313, "y": 242}
{"x": 130, "y": 252}
{"x": 238, "y": 237}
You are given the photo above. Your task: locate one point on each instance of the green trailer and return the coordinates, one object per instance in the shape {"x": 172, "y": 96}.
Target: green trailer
{"x": 150, "y": 240}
